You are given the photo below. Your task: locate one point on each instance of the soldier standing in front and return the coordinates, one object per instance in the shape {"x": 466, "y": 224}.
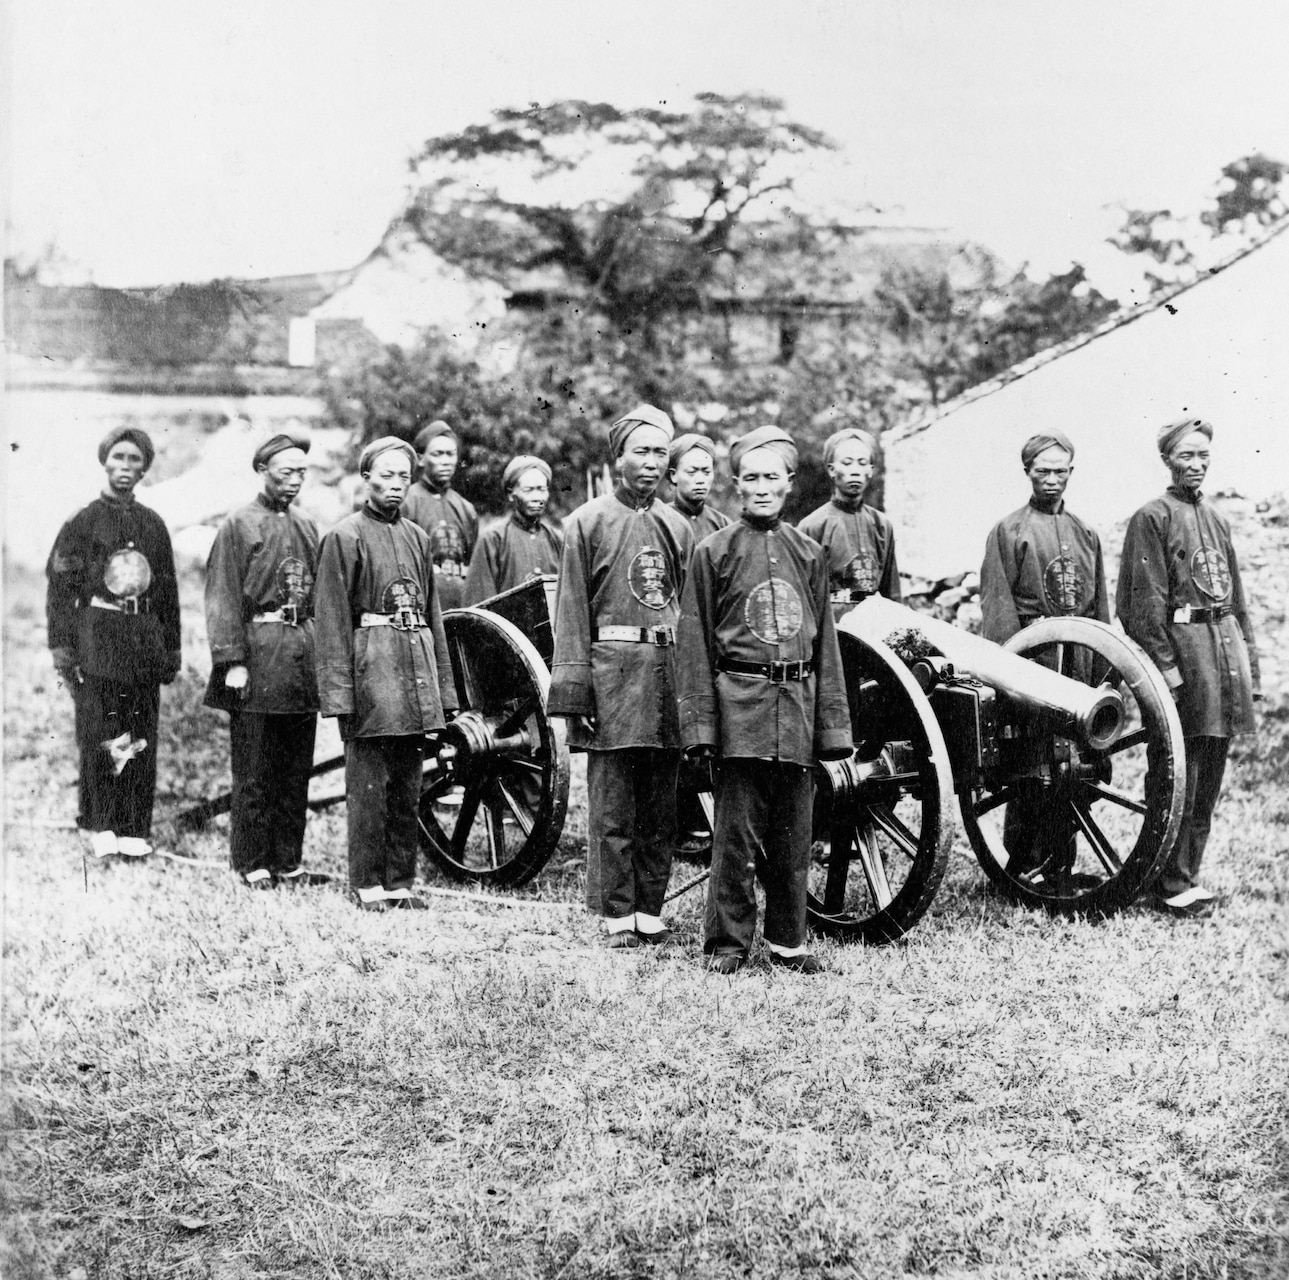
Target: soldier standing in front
{"x": 112, "y": 610}
{"x": 259, "y": 621}
{"x": 614, "y": 676}
{"x": 762, "y": 691}
{"x": 383, "y": 671}
{"x": 1180, "y": 597}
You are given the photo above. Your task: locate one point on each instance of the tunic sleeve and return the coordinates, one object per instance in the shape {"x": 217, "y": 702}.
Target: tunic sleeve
{"x": 165, "y": 590}
{"x": 1242, "y": 615}
{"x": 334, "y": 629}
{"x": 481, "y": 580}
{"x": 832, "y": 736}
{"x": 699, "y": 710}
{"x": 889, "y": 586}
{"x": 571, "y": 692}
{"x": 999, "y": 619}
{"x": 1143, "y": 597}
{"x": 225, "y": 626}
{"x": 1101, "y": 599}
{"x": 65, "y": 575}
{"x": 442, "y": 658}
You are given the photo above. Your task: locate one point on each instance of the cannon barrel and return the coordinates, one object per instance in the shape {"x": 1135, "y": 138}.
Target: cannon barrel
{"x": 1093, "y": 715}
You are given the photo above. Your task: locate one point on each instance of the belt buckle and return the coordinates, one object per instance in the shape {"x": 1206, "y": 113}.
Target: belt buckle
{"x": 659, "y": 636}
{"x": 127, "y": 604}
{"x": 403, "y": 620}
{"x": 778, "y": 672}
{"x": 291, "y": 615}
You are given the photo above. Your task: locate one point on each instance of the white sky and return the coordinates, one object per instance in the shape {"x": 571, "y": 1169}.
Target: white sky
{"x": 164, "y": 140}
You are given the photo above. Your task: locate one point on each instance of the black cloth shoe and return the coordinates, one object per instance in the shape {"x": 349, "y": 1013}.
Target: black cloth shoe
{"x": 301, "y": 876}
{"x": 658, "y": 939}
{"x": 724, "y": 962}
{"x": 412, "y": 903}
{"x": 805, "y": 963}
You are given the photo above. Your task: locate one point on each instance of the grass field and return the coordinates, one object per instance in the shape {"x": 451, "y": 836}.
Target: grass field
{"x": 204, "y": 1082}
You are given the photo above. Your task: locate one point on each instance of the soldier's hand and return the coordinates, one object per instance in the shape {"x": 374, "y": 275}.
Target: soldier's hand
{"x": 173, "y": 665}
{"x": 68, "y": 672}
{"x": 585, "y": 724}
{"x": 238, "y": 678}
{"x": 701, "y": 751}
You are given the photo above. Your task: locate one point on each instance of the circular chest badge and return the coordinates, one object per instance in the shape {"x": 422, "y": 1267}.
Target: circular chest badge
{"x": 294, "y": 581}
{"x": 127, "y": 573}
{"x": 773, "y": 611}
{"x": 447, "y": 544}
{"x": 861, "y": 573}
{"x": 402, "y": 593}
{"x": 650, "y": 579}
{"x": 1211, "y": 574}
{"x": 1064, "y": 585}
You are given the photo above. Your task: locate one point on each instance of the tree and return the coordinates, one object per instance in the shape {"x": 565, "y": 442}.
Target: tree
{"x": 628, "y": 214}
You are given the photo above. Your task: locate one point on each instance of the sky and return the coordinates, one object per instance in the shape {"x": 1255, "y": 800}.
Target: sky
{"x": 154, "y": 141}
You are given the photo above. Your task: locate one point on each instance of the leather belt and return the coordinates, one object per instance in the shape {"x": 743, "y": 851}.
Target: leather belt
{"x": 402, "y": 620}
{"x": 661, "y": 636}
{"x": 850, "y": 597}
{"x": 1202, "y": 613}
{"x": 122, "y": 604}
{"x": 779, "y": 672}
{"x": 289, "y": 615}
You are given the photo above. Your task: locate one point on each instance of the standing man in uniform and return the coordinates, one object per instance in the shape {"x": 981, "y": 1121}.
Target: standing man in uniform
{"x": 383, "y": 671}
{"x": 1181, "y": 599}
{"x": 443, "y": 513}
{"x": 112, "y": 609}
{"x": 691, "y": 469}
{"x": 761, "y": 690}
{"x": 614, "y": 676}
{"x": 259, "y": 620}
{"x": 1041, "y": 561}
{"x": 524, "y": 545}
{"x": 859, "y": 539}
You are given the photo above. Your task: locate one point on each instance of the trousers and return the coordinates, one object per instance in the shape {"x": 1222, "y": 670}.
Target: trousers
{"x": 631, "y": 829}
{"x": 272, "y": 759}
{"x": 763, "y": 826}
{"x": 1205, "y": 768}
{"x": 110, "y": 800}
{"x": 382, "y": 796}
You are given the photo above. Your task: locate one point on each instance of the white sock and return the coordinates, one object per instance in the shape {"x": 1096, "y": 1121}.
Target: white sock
{"x": 374, "y": 894}
{"x": 1185, "y": 898}
{"x": 646, "y": 923}
{"x": 619, "y": 924}
{"x": 102, "y": 843}
{"x": 787, "y": 951}
{"x": 133, "y": 847}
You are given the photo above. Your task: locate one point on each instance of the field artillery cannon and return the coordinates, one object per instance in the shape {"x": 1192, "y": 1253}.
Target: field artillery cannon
{"x": 1062, "y": 751}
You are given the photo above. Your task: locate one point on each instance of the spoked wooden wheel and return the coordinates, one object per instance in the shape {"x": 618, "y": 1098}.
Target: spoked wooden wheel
{"x": 495, "y": 790}
{"x": 883, "y": 818}
{"x": 1076, "y": 830}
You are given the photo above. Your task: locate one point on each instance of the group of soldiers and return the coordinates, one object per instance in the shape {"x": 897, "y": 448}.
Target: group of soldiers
{"x": 678, "y": 632}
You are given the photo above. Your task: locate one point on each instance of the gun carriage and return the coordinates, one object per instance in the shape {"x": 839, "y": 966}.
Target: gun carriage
{"x": 1061, "y": 750}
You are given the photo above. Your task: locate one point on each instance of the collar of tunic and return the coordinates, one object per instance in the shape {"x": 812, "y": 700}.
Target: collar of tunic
{"x": 527, "y": 525}
{"x": 762, "y": 524}
{"x": 278, "y": 508}
{"x": 690, "y": 509}
{"x": 629, "y": 499}
{"x": 852, "y": 506}
{"x": 116, "y": 500}
{"x": 1057, "y": 510}
{"x": 1192, "y": 496}
{"x": 376, "y": 514}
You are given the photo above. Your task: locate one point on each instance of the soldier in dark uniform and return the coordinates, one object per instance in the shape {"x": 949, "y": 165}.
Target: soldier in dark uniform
{"x": 259, "y": 621}
{"x": 113, "y": 619}
{"x": 525, "y": 545}
{"x": 383, "y": 671}
{"x": 443, "y": 513}
{"x": 762, "y": 690}
{"x": 858, "y": 538}
{"x": 1181, "y": 599}
{"x": 692, "y": 467}
{"x": 1041, "y": 561}
{"x": 614, "y": 676}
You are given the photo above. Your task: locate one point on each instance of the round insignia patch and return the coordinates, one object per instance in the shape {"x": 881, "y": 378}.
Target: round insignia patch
{"x": 294, "y": 581}
{"x": 1064, "y": 585}
{"x": 402, "y": 593}
{"x": 447, "y": 544}
{"x": 649, "y": 578}
{"x": 127, "y": 573}
{"x": 1211, "y": 574}
{"x": 773, "y": 611}
{"x": 861, "y": 573}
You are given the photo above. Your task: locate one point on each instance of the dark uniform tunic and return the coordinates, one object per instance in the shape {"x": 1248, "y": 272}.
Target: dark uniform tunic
{"x": 510, "y": 553}
{"x": 453, "y": 526}
{"x": 623, "y": 566}
{"x": 388, "y": 684}
{"x": 113, "y": 609}
{"x": 860, "y": 542}
{"x": 1040, "y": 564}
{"x": 259, "y": 614}
{"x": 757, "y": 594}
{"x": 703, "y": 519}
{"x": 1178, "y": 560}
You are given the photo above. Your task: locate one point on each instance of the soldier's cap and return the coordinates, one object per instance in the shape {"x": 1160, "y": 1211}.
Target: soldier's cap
{"x": 280, "y": 443}
{"x": 643, "y": 415}
{"x": 681, "y": 445}
{"x": 518, "y": 465}
{"x": 384, "y": 445}
{"x": 140, "y": 439}
{"x": 835, "y": 441}
{"x": 1044, "y": 440}
{"x": 1169, "y": 435}
{"x": 431, "y": 431}
{"x": 764, "y": 438}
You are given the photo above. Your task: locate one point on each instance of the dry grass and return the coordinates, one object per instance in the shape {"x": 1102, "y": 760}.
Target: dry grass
{"x": 201, "y": 1081}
